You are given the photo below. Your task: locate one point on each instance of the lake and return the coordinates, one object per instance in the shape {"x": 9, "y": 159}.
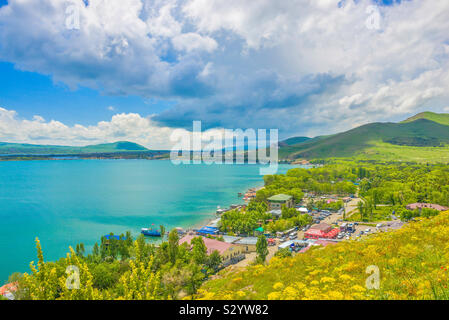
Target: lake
{"x": 69, "y": 202}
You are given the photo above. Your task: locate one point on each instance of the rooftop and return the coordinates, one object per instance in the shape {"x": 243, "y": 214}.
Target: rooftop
{"x": 280, "y": 197}
{"x": 247, "y": 241}
{"x": 414, "y": 206}
{"x": 321, "y": 227}
{"x": 211, "y": 244}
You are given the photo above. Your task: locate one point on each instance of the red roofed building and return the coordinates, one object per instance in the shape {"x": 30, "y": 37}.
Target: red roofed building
{"x": 8, "y": 290}
{"x": 226, "y": 250}
{"x": 414, "y": 206}
{"x": 323, "y": 231}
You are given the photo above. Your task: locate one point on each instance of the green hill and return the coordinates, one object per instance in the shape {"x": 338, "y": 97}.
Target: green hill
{"x": 400, "y": 141}
{"x": 31, "y": 149}
{"x": 293, "y": 141}
{"x": 441, "y": 118}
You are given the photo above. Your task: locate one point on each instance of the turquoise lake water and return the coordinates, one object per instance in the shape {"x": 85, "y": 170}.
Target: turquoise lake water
{"x": 69, "y": 202}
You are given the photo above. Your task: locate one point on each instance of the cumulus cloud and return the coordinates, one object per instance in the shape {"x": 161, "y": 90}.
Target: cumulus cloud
{"x": 121, "y": 127}
{"x": 305, "y": 66}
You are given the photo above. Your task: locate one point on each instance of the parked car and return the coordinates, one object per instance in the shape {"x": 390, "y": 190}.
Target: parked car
{"x": 368, "y": 230}
{"x": 379, "y": 225}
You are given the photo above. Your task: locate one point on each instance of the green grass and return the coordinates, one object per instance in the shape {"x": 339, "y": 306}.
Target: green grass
{"x": 388, "y": 152}
{"x": 382, "y": 213}
{"x": 441, "y": 118}
{"x": 420, "y": 140}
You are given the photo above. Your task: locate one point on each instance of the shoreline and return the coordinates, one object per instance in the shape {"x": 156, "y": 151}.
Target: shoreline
{"x": 209, "y": 220}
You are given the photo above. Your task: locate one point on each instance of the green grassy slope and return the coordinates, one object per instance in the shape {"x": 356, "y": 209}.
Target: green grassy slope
{"x": 29, "y": 149}
{"x": 441, "y": 118}
{"x": 418, "y": 133}
{"x": 293, "y": 141}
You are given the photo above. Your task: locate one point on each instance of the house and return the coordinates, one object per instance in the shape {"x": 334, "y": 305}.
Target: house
{"x": 321, "y": 231}
{"x": 276, "y": 202}
{"x": 247, "y": 244}
{"x": 420, "y": 206}
{"x": 302, "y": 210}
{"x": 226, "y": 250}
{"x": 8, "y": 290}
{"x": 276, "y": 213}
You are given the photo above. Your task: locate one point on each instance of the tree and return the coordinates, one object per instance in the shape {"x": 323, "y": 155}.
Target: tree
{"x": 262, "y": 249}
{"x": 162, "y": 228}
{"x": 361, "y": 208}
{"x": 214, "y": 260}
{"x": 199, "y": 251}
{"x": 193, "y": 278}
{"x": 96, "y": 250}
{"x": 140, "y": 283}
{"x": 283, "y": 253}
{"x": 173, "y": 243}
{"x": 310, "y": 205}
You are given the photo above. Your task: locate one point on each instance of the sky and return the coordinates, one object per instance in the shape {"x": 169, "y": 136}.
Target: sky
{"x": 80, "y": 72}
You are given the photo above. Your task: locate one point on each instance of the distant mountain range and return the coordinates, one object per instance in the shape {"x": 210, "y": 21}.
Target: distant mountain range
{"x": 423, "y": 137}
{"x": 425, "y": 130}
{"x": 30, "y": 149}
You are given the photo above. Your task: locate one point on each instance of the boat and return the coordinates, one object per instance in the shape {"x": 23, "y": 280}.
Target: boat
{"x": 150, "y": 232}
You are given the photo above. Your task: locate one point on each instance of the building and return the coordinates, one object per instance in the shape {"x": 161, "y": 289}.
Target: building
{"x": 205, "y": 231}
{"x": 226, "y": 250}
{"x": 302, "y": 210}
{"x": 247, "y": 244}
{"x": 276, "y": 213}
{"x": 8, "y": 290}
{"x": 321, "y": 231}
{"x": 420, "y": 206}
{"x": 276, "y": 202}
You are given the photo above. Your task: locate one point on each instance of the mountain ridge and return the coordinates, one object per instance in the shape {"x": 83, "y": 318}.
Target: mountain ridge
{"x": 7, "y": 148}
{"x": 420, "y": 130}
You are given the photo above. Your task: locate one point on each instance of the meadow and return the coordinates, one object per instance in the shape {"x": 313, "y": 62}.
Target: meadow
{"x": 412, "y": 263}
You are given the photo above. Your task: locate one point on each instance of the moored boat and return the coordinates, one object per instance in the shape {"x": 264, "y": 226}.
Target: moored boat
{"x": 151, "y": 232}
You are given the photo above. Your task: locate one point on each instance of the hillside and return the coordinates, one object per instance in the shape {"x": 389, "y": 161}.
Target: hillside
{"x": 376, "y": 139}
{"x": 30, "y": 149}
{"x": 293, "y": 141}
{"x": 441, "y": 118}
{"x": 412, "y": 262}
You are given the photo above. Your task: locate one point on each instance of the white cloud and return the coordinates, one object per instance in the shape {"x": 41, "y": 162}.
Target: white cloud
{"x": 121, "y": 127}
{"x": 306, "y": 66}
{"x": 193, "y": 41}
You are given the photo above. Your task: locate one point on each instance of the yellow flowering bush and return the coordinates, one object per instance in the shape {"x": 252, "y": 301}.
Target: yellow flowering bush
{"x": 412, "y": 262}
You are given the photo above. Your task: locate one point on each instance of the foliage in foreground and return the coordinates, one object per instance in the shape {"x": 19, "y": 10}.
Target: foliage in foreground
{"x": 122, "y": 270}
{"x": 412, "y": 262}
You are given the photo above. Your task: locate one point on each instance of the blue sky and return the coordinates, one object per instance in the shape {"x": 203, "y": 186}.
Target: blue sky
{"x": 143, "y": 68}
{"x": 31, "y": 94}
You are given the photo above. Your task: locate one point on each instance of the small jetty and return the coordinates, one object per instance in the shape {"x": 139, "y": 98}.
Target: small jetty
{"x": 251, "y": 194}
